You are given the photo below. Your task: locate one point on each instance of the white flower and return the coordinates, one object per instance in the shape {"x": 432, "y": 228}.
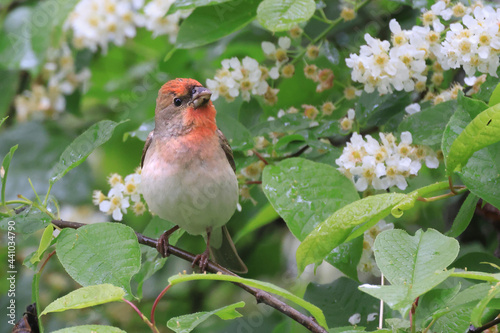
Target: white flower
{"x": 412, "y": 108}
{"x": 355, "y": 319}
{"x": 117, "y": 203}
{"x": 371, "y": 316}
{"x": 369, "y": 163}
{"x": 238, "y": 78}
{"x": 96, "y": 23}
{"x": 159, "y": 23}
{"x": 132, "y": 187}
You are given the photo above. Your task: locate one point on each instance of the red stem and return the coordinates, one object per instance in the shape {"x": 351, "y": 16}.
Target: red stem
{"x": 157, "y": 300}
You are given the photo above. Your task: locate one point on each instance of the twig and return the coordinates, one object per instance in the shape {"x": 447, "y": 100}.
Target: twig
{"x": 260, "y": 295}
{"x": 485, "y": 326}
{"x": 151, "y": 325}
{"x": 157, "y": 300}
{"x": 260, "y": 157}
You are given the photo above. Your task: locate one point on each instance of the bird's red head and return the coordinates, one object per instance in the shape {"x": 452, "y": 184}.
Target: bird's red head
{"x": 185, "y": 103}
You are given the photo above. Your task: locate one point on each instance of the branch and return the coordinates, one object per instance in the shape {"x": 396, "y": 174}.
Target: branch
{"x": 260, "y": 295}
{"x": 485, "y": 326}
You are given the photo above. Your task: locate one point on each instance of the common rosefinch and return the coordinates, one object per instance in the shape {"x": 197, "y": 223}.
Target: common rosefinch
{"x": 188, "y": 173}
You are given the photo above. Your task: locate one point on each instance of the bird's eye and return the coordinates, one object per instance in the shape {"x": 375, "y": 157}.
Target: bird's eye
{"x": 193, "y": 91}
{"x": 177, "y": 102}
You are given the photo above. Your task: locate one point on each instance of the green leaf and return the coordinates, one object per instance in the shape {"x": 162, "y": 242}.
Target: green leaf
{"x": 432, "y": 304}
{"x": 495, "y": 96}
{"x": 484, "y": 130}
{"x": 142, "y": 132}
{"x": 266, "y": 286}
{"x": 43, "y": 146}
{"x": 345, "y": 224}
{"x": 90, "y": 329}
{"x": 86, "y": 297}
{"x": 464, "y": 216}
{"x": 305, "y": 193}
{"x": 152, "y": 261}
{"x": 375, "y": 110}
{"x": 187, "y": 323}
{"x": 190, "y": 4}
{"x": 208, "y": 24}
{"x": 100, "y": 253}
{"x": 479, "y": 309}
{"x": 5, "y": 169}
{"x": 265, "y": 216}
{"x": 346, "y": 257}
{"x": 412, "y": 264}
{"x": 455, "y": 314}
{"x": 44, "y": 244}
{"x": 481, "y": 174}
{"x": 282, "y": 15}
{"x": 341, "y": 299}
{"x": 28, "y": 221}
{"x": 238, "y": 136}
{"x": 16, "y": 51}
{"x": 81, "y": 148}
{"x": 427, "y": 125}
{"x": 481, "y": 276}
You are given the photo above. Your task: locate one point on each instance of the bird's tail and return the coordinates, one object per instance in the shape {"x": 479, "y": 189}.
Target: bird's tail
{"x": 224, "y": 252}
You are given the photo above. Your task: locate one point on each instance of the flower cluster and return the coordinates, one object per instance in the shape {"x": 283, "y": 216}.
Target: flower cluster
{"x": 244, "y": 77}
{"x": 471, "y": 42}
{"x": 324, "y": 77}
{"x": 474, "y": 43}
{"x": 97, "y": 23}
{"x": 124, "y": 193}
{"x": 382, "y": 165}
{"x": 47, "y": 101}
{"x": 159, "y": 23}
{"x": 367, "y": 266}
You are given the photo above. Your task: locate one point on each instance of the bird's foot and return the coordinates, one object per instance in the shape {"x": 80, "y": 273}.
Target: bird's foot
{"x": 163, "y": 244}
{"x": 202, "y": 260}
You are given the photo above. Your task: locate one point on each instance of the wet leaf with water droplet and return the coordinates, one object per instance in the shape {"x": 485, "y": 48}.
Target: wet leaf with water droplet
{"x": 81, "y": 148}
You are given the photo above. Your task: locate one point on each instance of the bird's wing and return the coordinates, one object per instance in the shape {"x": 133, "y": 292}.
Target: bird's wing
{"x": 227, "y": 148}
{"x": 146, "y": 146}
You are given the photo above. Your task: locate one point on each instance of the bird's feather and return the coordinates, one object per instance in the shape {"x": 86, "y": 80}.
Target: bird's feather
{"x": 146, "y": 146}
{"x": 227, "y": 149}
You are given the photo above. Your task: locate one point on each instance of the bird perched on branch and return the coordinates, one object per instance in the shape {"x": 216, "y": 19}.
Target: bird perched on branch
{"x": 188, "y": 171}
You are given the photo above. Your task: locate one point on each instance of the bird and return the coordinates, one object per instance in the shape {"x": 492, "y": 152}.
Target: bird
{"x": 188, "y": 172}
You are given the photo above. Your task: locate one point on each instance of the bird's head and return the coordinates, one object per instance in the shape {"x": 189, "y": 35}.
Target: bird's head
{"x": 183, "y": 105}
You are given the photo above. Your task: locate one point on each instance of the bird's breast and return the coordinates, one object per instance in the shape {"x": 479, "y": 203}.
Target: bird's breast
{"x": 189, "y": 182}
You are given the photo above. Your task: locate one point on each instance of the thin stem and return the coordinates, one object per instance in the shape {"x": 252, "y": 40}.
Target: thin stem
{"x": 157, "y": 300}
{"x": 260, "y": 295}
{"x": 429, "y": 326}
{"x": 46, "y": 261}
{"x": 443, "y": 196}
{"x": 22, "y": 202}
{"x": 34, "y": 191}
{"x": 260, "y": 157}
{"x": 153, "y": 328}
{"x": 381, "y": 313}
{"x": 450, "y": 182}
{"x": 326, "y": 31}
{"x": 327, "y": 21}
{"x": 47, "y": 195}
{"x": 412, "y": 315}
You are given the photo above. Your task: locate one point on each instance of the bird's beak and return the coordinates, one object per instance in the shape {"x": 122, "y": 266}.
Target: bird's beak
{"x": 201, "y": 96}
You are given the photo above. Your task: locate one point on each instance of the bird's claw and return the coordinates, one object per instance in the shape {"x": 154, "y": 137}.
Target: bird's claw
{"x": 162, "y": 245}
{"x": 202, "y": 260}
